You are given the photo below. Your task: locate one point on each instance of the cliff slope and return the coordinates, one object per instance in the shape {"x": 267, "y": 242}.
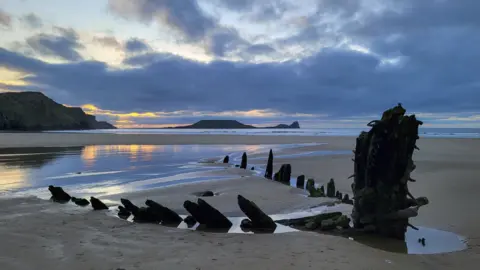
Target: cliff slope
{"x": 34, "y": 111}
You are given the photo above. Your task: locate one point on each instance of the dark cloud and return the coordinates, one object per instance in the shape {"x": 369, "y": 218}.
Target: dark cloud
{"x": 266, "y": 11}
{"x": 109, "y": 41}
{"x": 146, "y": 59}
{"x": 336, "y": 82}
{"x": 238, "y": 5}
{"x": 417, "y": 16}
{"x": 5, "y": 19}
{"x": 32, "y": 21}
{"x": 260, "y": 49}
{"x": 185, "y": 16}
{"x": 62, "y": 45}
{"x": 257, "y": 10}
{"x": 224, "y": 41}
{"x": 135, "y": 45}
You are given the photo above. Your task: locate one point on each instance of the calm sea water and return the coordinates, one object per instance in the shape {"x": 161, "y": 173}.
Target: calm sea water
{"x": 424, "y": 132}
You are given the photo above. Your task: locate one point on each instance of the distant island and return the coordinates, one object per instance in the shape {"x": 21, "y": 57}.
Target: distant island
{"x": 33, "y": 111}
{"x": 230, "y": 124}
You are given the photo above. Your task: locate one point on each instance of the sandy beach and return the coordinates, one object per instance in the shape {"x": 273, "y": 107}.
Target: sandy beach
{"x": 38, "y": 234}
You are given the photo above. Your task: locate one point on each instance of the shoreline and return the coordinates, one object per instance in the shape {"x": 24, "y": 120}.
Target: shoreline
{"x": 11, "y": 140}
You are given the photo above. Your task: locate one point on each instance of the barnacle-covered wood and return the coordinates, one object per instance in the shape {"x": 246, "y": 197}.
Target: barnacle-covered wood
{"x": 383, "y": 164}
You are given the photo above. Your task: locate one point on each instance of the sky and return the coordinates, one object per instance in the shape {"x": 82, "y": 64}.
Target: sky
{"x": 324, "y": 63}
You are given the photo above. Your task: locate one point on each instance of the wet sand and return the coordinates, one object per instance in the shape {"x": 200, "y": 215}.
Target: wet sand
{"x": 78, "y": 139}
{"x": 37, "y": 234}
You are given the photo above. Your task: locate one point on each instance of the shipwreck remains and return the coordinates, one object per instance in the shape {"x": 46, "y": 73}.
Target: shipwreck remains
{"x": 300, "y": 181}
{"x": 259, "y": 221}
{"x": 269, "y": 169}
{"x": 243, "y": 165}
{"x": 383, "y": 164}
{"x": 283, "y": 175}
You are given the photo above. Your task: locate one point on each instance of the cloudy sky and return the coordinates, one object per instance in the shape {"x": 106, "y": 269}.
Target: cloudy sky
{"x": 326, "y": 63}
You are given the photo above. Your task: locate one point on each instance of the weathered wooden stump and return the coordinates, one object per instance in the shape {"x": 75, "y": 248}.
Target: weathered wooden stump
{"x": 383, "y": 163}
{"x": 97, "y": 204}
{"x": 80, "y": 201}
{"x": 259, "y": 220}
{"x": 269, "y": 169}
{"x": 243, "y": 164}
{"x": 123, "y": 213}
{"x": 129, "y": 206}
{"x": 167, "y": 215}
{"x": 346, "y": 199}
{"x": 284, "y": 174}
{"x": 314, "y": 192}
{"x": 58, "y": 194}
{"x": 226, "y": 159}
{"x": 310, "y": 184}
{"x": 195, "y": 211}
{"x": 214, "y": 218}
{"x": 331, "y": 188}
{"x": 300, "y": 181}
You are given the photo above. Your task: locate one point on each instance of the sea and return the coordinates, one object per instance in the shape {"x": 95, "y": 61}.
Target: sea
{"x": 424, "y": 132}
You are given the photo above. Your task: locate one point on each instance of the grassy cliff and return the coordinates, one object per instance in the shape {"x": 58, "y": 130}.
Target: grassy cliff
{"x": 220, "y": 124}
{"x": 35, "y": 111}
{"x": 231, "y": 124}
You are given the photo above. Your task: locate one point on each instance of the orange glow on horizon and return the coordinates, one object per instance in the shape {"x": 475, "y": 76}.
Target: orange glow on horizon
{"x": 126, "y": 120}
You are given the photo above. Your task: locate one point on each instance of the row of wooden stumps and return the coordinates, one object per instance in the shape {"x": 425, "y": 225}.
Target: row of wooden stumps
{"x": 201, "y": 212}
{"x": 284, "y": 174}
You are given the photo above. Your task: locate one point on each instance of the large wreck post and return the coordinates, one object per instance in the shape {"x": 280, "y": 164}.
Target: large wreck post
{"x": 383, "y": 163}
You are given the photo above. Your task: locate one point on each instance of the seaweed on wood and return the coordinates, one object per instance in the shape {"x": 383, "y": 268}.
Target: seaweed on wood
{"x": 383, "y": 163}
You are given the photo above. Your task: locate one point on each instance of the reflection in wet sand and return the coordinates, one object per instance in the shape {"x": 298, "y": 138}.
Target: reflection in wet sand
{"x": 126, "y": 167}
{"x": 16, "y": 164}
{"x": 35, "y": 157}
{"x": 437, "y": 241}
{"x": 29, "y": 169}
{"x": 12, "y": 178}
{"x": 90, "y": 153}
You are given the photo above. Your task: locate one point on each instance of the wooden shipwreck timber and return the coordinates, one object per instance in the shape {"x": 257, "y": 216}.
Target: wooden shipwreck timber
{"x": 383, "y": 163}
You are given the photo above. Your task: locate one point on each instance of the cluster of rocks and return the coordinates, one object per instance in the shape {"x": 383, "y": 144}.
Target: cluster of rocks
{"x": 383, "y": 163}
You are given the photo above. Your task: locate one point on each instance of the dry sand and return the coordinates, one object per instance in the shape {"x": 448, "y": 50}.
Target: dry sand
{"x": 37, "y": 234}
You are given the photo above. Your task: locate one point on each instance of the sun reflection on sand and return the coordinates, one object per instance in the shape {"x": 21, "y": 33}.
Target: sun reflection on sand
{"x": 106, "y": 190}
{"x": 12, "y": 178}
